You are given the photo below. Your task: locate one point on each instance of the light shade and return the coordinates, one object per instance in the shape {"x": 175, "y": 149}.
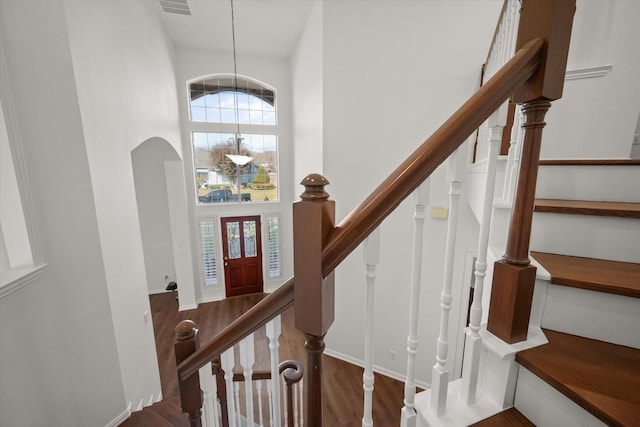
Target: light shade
{"x": 239, "y": 160}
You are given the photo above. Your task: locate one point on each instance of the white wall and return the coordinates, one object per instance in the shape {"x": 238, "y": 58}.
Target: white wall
{"x": 58, "y": 360}
{"x": 603, "y": 110}
{"x": 392, "y": 73}
{"x": 306, "y": 66}
{"x": 192, "y": 64}
{"x": 126, "y": 91}
{"x": 153, "y": 210}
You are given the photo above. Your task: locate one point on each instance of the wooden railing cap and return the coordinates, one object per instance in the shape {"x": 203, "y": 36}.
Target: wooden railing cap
{"x": 185, "y": 330}
{"x": 314, "y": 187}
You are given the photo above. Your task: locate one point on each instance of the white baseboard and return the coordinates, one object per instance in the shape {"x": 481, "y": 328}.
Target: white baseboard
{"x": 120, "y": 418}
{"x": 184, "y": 307}
{"x": 377, "y": 369}
{"x": 211, "y": 299}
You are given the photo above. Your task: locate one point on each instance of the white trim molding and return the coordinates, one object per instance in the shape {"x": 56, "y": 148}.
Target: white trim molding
{"x": 18, "y": 278}
{"x": 120, "y": 418}
{"x": 587, "y": 73}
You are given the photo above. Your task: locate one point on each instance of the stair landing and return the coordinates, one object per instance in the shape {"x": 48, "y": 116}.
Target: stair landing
{"x": 601, "y": 377}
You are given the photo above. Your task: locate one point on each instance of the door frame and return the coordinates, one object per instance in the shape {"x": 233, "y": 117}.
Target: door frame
{"x": 243, "y": 262}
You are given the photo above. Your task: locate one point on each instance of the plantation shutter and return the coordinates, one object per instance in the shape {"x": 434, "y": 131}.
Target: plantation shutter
{"x": 208, "y": 252}
{"x": 274, "y": 246}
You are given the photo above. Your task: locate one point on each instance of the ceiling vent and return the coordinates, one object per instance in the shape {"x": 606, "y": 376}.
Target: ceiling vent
{"x": 175, "y": 6}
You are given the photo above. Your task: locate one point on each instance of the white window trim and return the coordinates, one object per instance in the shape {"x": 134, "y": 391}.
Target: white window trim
{"x": 230, "y": 128}
{"x": 265, "y": 245}
{"x": 32, "y": 265}
{"x": 264, "y": 230}
{"x": 218, "y": 250}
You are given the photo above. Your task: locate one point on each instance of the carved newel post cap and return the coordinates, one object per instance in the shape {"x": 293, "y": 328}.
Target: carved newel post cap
{"x": 314, "y": 187}
{"x": 185, "y": 330}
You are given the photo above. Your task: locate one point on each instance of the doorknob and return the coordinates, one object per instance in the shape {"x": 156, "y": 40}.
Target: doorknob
{"x": 226, "y": 263}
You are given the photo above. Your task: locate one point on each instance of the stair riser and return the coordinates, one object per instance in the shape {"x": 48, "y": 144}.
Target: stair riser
{"x": 616, "y": 239}
{"x": 590, "y": 314}
{"x": 546, "y": 407}
{"x": 589, "y": 183}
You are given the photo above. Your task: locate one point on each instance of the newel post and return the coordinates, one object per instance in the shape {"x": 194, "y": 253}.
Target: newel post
{"x": 313, "y": 220}
{"x": 514, "y": 276}
{"x": 190, "y": 394}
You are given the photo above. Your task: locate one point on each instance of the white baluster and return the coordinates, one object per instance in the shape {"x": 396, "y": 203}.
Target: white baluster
{"x": 273, "y": 333}
{"x": 208, "y": 384}
{"x": 513, "y": 165}
{"x": 236, "y": 397}
{"x": 227, "y": 362}
{"x": 473, "y": 343}
{"x": 301, "y": 402}
{"x": 371, "y": 260}
{"x": 420, "y": 200}
{"x": 440, "y": 374}
{"x": 247, "y": 359}
{"x": 259, "y": 391}
{"x": 296, "y": 420}
{"x": 285, "y": 409}
{"x": 269, "y": 391}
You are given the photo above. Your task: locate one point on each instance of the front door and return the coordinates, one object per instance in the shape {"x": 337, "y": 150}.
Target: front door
{"x": 242, "y": 251}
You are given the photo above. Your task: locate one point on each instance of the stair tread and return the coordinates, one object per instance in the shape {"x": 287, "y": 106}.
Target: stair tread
{"x": 508, "y": 418}
{"x": 614, "y": 277}
{"x": 588, "y": 207}
{"x": 166, "y": 413}
{"x": 601, "y": 377}
{"x": 589, "y": 162}
{"x": 145, "y": 418}
{"x": 171, "y": 411}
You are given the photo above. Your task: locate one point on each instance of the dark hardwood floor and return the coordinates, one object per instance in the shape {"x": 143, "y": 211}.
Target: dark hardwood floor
{"x": 342, "y": 381}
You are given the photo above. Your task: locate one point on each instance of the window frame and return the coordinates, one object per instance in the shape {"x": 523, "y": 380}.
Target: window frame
{"x": 232, "y": 128}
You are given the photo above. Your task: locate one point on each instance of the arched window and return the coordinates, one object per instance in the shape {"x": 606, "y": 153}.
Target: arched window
{"x": 235, "y": 141}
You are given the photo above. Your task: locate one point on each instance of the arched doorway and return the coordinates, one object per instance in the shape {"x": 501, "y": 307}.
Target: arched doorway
{"x": 148, "y": 161}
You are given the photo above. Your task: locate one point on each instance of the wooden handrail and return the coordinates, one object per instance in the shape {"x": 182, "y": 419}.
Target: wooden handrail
{"x": 383, "y": 200}
{"x": 436, "y": 149}
{"x": 265, "y": 310}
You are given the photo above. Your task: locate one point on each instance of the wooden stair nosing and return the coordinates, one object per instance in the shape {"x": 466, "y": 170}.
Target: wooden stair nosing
{"x": 588, "y": 207}
{"x": 601, "y": 377}
{"x": 589, "y": 162}
{"x": 145, "y": 418}
{"x": 166, "y": 413}
{"x": 613, "y": 277}
{"x": 508, "y": 418}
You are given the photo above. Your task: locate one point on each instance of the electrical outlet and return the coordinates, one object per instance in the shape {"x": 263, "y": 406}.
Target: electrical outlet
{"x": 392, "y": 354}
{"x": 146, "y": 316}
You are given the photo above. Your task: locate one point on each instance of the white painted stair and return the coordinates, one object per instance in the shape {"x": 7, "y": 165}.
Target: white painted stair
{"x": 589, "y": 373}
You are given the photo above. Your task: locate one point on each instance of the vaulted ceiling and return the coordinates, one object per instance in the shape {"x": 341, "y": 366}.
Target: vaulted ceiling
{"x": 262, "y": 27}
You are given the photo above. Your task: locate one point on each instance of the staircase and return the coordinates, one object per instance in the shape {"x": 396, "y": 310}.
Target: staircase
{"x": 589, "y": 372}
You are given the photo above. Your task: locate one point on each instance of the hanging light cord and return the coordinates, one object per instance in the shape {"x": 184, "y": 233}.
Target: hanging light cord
{"x": 235, "y": 72}
{"x": 235, "y": 94}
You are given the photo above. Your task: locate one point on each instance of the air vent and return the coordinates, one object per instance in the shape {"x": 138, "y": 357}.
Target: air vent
{"x": 175, "y": 6}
